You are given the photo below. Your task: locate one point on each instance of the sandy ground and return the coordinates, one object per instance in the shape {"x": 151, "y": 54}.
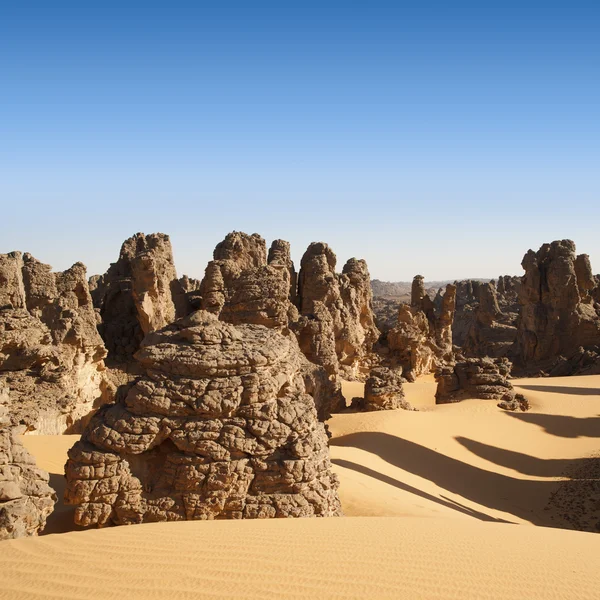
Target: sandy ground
{"x": 442, "y": 481}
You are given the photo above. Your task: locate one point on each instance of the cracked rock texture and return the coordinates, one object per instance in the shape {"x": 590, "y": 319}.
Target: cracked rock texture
{"x": 26, "y": 499}
{"x": 383, "y": 391}
{"x": 220, "y": 426}
{"x": 559, "y": 315}
{"x": 51, "y": 356}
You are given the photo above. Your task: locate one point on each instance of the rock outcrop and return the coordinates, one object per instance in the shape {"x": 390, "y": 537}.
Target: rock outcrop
{"x": 383, "y": 391}
{"x": 492, "y": 332}
{"x": 421, "y": 342}
{"x": 347, "y": 299}
{"x": 139, "y": 293}
{"x": 220, "y": 426}
{"x": 26, "y": 499}
{"x": 51, "y": 356}
{"x": 484, "y": 378}
{"x": 558, "y": 313}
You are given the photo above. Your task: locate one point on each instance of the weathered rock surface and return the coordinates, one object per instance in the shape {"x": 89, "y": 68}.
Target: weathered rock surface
{"x": 139, "y": 293}
{"x": 51, "y": 356}
{"x": 383, "y": 391}
{"x": 558, "y": 312}
{"x": 485, "y": 378}
{"x": 347, "y": 299}
{"x": 220, "y": 426}
{"x": 26, "y": 499}
{"x": 492, "y": 332}
{"x": 421, "y": 342}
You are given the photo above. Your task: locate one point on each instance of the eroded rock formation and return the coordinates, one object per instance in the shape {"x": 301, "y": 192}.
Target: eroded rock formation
{"x": 51, "y": 356}
{"x": 383, "y": 391}
{"x": 220, "y": 426}
{"x": 139, "y": 293}
{"x": 484, "y": 378}
{"x": 26, "y": 499}
{"x": 559, "y": 316}
{"x": 421, "y": 342}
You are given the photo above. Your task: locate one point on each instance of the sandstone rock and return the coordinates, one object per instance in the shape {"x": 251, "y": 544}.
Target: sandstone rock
{"x": 220, "y": 426}
{"x": 484, "y": 378}
{"x": 348, "y": 300}
{"x": 558, "y": 315}
{"x": 383, "y": 391}
{"x": 421, "y": 342}
{"x": 26, "y": 499}
{"x": 139, "y": 293}
{"x": 51, "y": 356}
{"x": 492, "y": 332}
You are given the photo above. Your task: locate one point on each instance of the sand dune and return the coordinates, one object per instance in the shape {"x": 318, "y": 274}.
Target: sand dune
{"x": 307, "y": 558}
{"x": 467, "y": 468}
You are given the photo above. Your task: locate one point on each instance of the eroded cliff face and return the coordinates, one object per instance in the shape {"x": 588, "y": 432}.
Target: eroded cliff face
{"x": 221, "y": 425}
{"x": 559, "y": 315}
{"x": 421, "y": 342}
{"x": 51, "y": 356}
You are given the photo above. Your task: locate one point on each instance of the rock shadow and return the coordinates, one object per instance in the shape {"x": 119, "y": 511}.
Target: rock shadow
{"x": 557, "y": 389}
{"x": 561, "y": 425}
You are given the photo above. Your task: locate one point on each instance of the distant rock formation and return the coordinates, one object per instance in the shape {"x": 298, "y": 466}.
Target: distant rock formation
{"x": 492, "y": 332}
{"x": 421, "y": 342}
{"x": 559, "y": 318}
{"x": 26, "y": 499}
{"x": 139, "y": 293}
{"x": 220, "y": 426}
{"x": 383, "y": 391}
{"x": 51, "y": 356}
{"x": 483, "y": 378}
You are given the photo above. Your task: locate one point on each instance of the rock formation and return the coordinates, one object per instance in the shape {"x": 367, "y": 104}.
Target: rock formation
{"x": 484, "y": 378}
{"x": 558, "y": 313}
{"x": 51, "y": 356}
{"x": 383, "y": 391}
{"x": 139, "y": 293}
{"x": 220, "y": 426}
{"x": 341, "y": 304}
{"x": 26, "y": 499}
{"x": 421, "y": 342}
{"x": 492, "y": 332}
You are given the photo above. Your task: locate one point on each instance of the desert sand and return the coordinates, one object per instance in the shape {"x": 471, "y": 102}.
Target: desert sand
{"x": 442, "y": 482}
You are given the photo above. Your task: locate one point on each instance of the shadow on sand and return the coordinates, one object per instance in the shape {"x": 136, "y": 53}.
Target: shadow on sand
{"x": 561, "y": 425}
{"x": 493, "y": 490}
{"x": 447, "y": 502}
{"x": 556, "y": 389}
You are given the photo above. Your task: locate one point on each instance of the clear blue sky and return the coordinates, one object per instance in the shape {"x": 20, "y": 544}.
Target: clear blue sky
{"x": 444, "y": 138}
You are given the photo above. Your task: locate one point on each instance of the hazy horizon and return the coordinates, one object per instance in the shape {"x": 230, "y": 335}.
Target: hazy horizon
{"x": 444, "y": 140}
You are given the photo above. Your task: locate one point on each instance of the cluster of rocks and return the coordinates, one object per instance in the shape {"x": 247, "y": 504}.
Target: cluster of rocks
{"x": 221, "y": 425}
{"x": 484, "y": 378}
{"x": 51, "y": 356}
{"x": 26, "y": 499}
{"x": 421, "y": 341}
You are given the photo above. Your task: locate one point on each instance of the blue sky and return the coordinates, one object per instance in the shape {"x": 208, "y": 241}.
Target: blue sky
{"x": 442, "y": 138}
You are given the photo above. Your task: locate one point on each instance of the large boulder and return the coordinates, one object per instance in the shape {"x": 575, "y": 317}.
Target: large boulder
{"x": 221, "y": 425}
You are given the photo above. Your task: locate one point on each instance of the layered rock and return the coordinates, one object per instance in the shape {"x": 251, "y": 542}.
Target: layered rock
{"x": 383, "y": 391}
{"x": 139, "y": 293}
{"x": 26, "y": 499}
{"x": 347, "y": 299}
{"x": 421, "y": 342}
{"x": 220, "y": 426}
{"x": 51, "y": 356}
{"x": 484, "y": 378}
{"x": 558, "y": 312}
